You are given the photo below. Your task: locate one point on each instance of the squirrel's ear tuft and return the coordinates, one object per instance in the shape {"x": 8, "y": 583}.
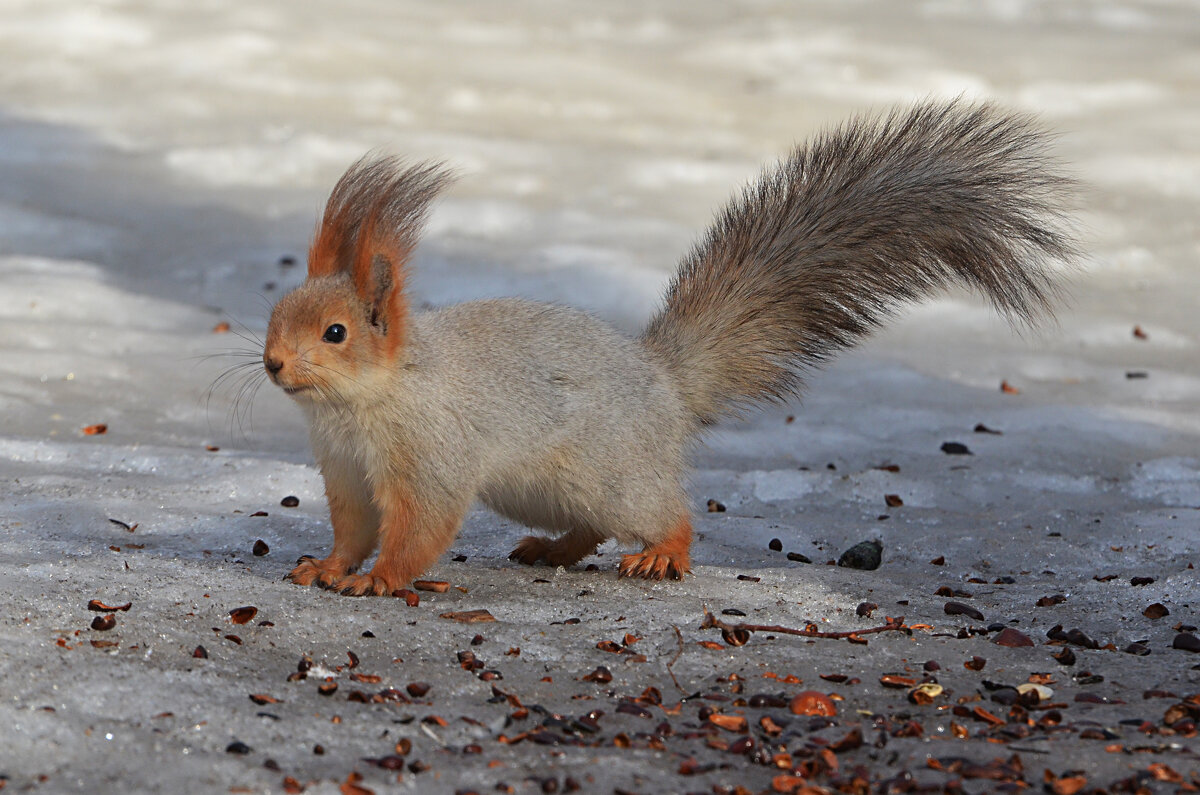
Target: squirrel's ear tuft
{"x": 371, "y": 225}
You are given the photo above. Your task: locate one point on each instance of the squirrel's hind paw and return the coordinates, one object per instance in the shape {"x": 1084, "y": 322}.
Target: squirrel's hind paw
{"x": 530, "y": 550}
{"x": 651, "y": 566}
{"x": 566, "y": 550}
{"x": 667, "y": 558}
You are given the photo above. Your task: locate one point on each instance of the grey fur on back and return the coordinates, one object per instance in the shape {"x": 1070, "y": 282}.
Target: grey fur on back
{"x": 869, "y": 216}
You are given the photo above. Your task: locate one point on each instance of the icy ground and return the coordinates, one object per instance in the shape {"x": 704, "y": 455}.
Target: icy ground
{"x": 159, "y": 164}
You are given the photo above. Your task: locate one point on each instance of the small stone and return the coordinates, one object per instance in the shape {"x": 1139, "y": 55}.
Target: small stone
{"x": 1156, "y": 610}
{"x": 865, "y": 556}
{"x": 960, "y": 609}
{"x": 1186, "y": 641}
{"x": 775, "y": 545}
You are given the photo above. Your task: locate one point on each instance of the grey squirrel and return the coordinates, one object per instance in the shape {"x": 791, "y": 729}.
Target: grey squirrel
{"x": 551, "y": 417}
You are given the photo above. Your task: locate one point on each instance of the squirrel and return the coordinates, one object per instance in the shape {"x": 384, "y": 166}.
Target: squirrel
{"x": 555, "y": 419}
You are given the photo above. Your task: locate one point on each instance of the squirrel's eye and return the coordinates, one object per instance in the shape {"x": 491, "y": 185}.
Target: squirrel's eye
{"x": 335, "y": 333}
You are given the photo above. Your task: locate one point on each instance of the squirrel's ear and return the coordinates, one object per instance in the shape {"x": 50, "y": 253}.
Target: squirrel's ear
{"x": 371, "y": 225}
{"x": 377, "y": 197}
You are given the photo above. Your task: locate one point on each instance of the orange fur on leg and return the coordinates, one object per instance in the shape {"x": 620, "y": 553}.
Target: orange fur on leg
{"x": 410, "y": 542}
{"x": 566, "y": 550}
{"x": 355, "y": 528}
{"x": 667, "y": 558}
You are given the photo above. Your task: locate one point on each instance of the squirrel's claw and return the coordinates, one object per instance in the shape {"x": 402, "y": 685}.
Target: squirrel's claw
{"x": 666, "y": 558}
{"x": 653, "y": 566}
{"x": 362, "y": 585}
{"x": 311, "y": 571}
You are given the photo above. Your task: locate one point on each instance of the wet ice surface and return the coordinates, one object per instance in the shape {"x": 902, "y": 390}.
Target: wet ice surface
{"x": 155, "y": 167}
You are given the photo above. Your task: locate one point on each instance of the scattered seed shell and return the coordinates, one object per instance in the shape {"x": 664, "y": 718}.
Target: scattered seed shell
{"x": 260, "y": 548}
{"x": 243, "y": 615}
{"x": 100, "y": 607}
{"x": 731, "y": 723}
{"x": 410, "y": 597}
{"x": 95, "y": 430}
{"x": 1042, "y": 692}
{"x": 104, "y": 623}
{"x": 812, "y": 702}
{"x": 469, "y": 616}
{"x": 436, "y": 586}
{"x": 1012, "y": 638}
{"x": 924, "y": 693}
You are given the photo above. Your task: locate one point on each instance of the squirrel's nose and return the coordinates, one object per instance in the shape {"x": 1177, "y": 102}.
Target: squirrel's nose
{"x": 272, "y": 364}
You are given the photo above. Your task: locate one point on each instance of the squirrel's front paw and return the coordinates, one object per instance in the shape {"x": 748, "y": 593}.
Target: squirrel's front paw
{"x": 363, "y": 585}
{"x": 311, "y": 571}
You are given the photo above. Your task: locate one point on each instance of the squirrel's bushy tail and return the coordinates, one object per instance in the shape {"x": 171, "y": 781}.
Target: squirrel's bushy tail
{"x": 867, "y": 217}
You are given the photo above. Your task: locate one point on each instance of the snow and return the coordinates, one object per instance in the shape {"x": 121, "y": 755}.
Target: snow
{"x": 158, "y": 162}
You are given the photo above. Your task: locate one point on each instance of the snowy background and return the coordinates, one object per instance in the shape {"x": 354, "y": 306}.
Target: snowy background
{"x": 161, "y": 164}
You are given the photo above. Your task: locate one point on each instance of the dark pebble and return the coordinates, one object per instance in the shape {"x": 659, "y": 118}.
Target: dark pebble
{"x": 290, "y": 501}
{"x": 865, "y": 556}
{"x": 775, "y": 545}
{"x": 960, "y": 609}
{"x": 237, "y": 747}
{"x": 760, "y": 700}
{"x": 1186, "y": 641}
{"x": 1138, "y": 649}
